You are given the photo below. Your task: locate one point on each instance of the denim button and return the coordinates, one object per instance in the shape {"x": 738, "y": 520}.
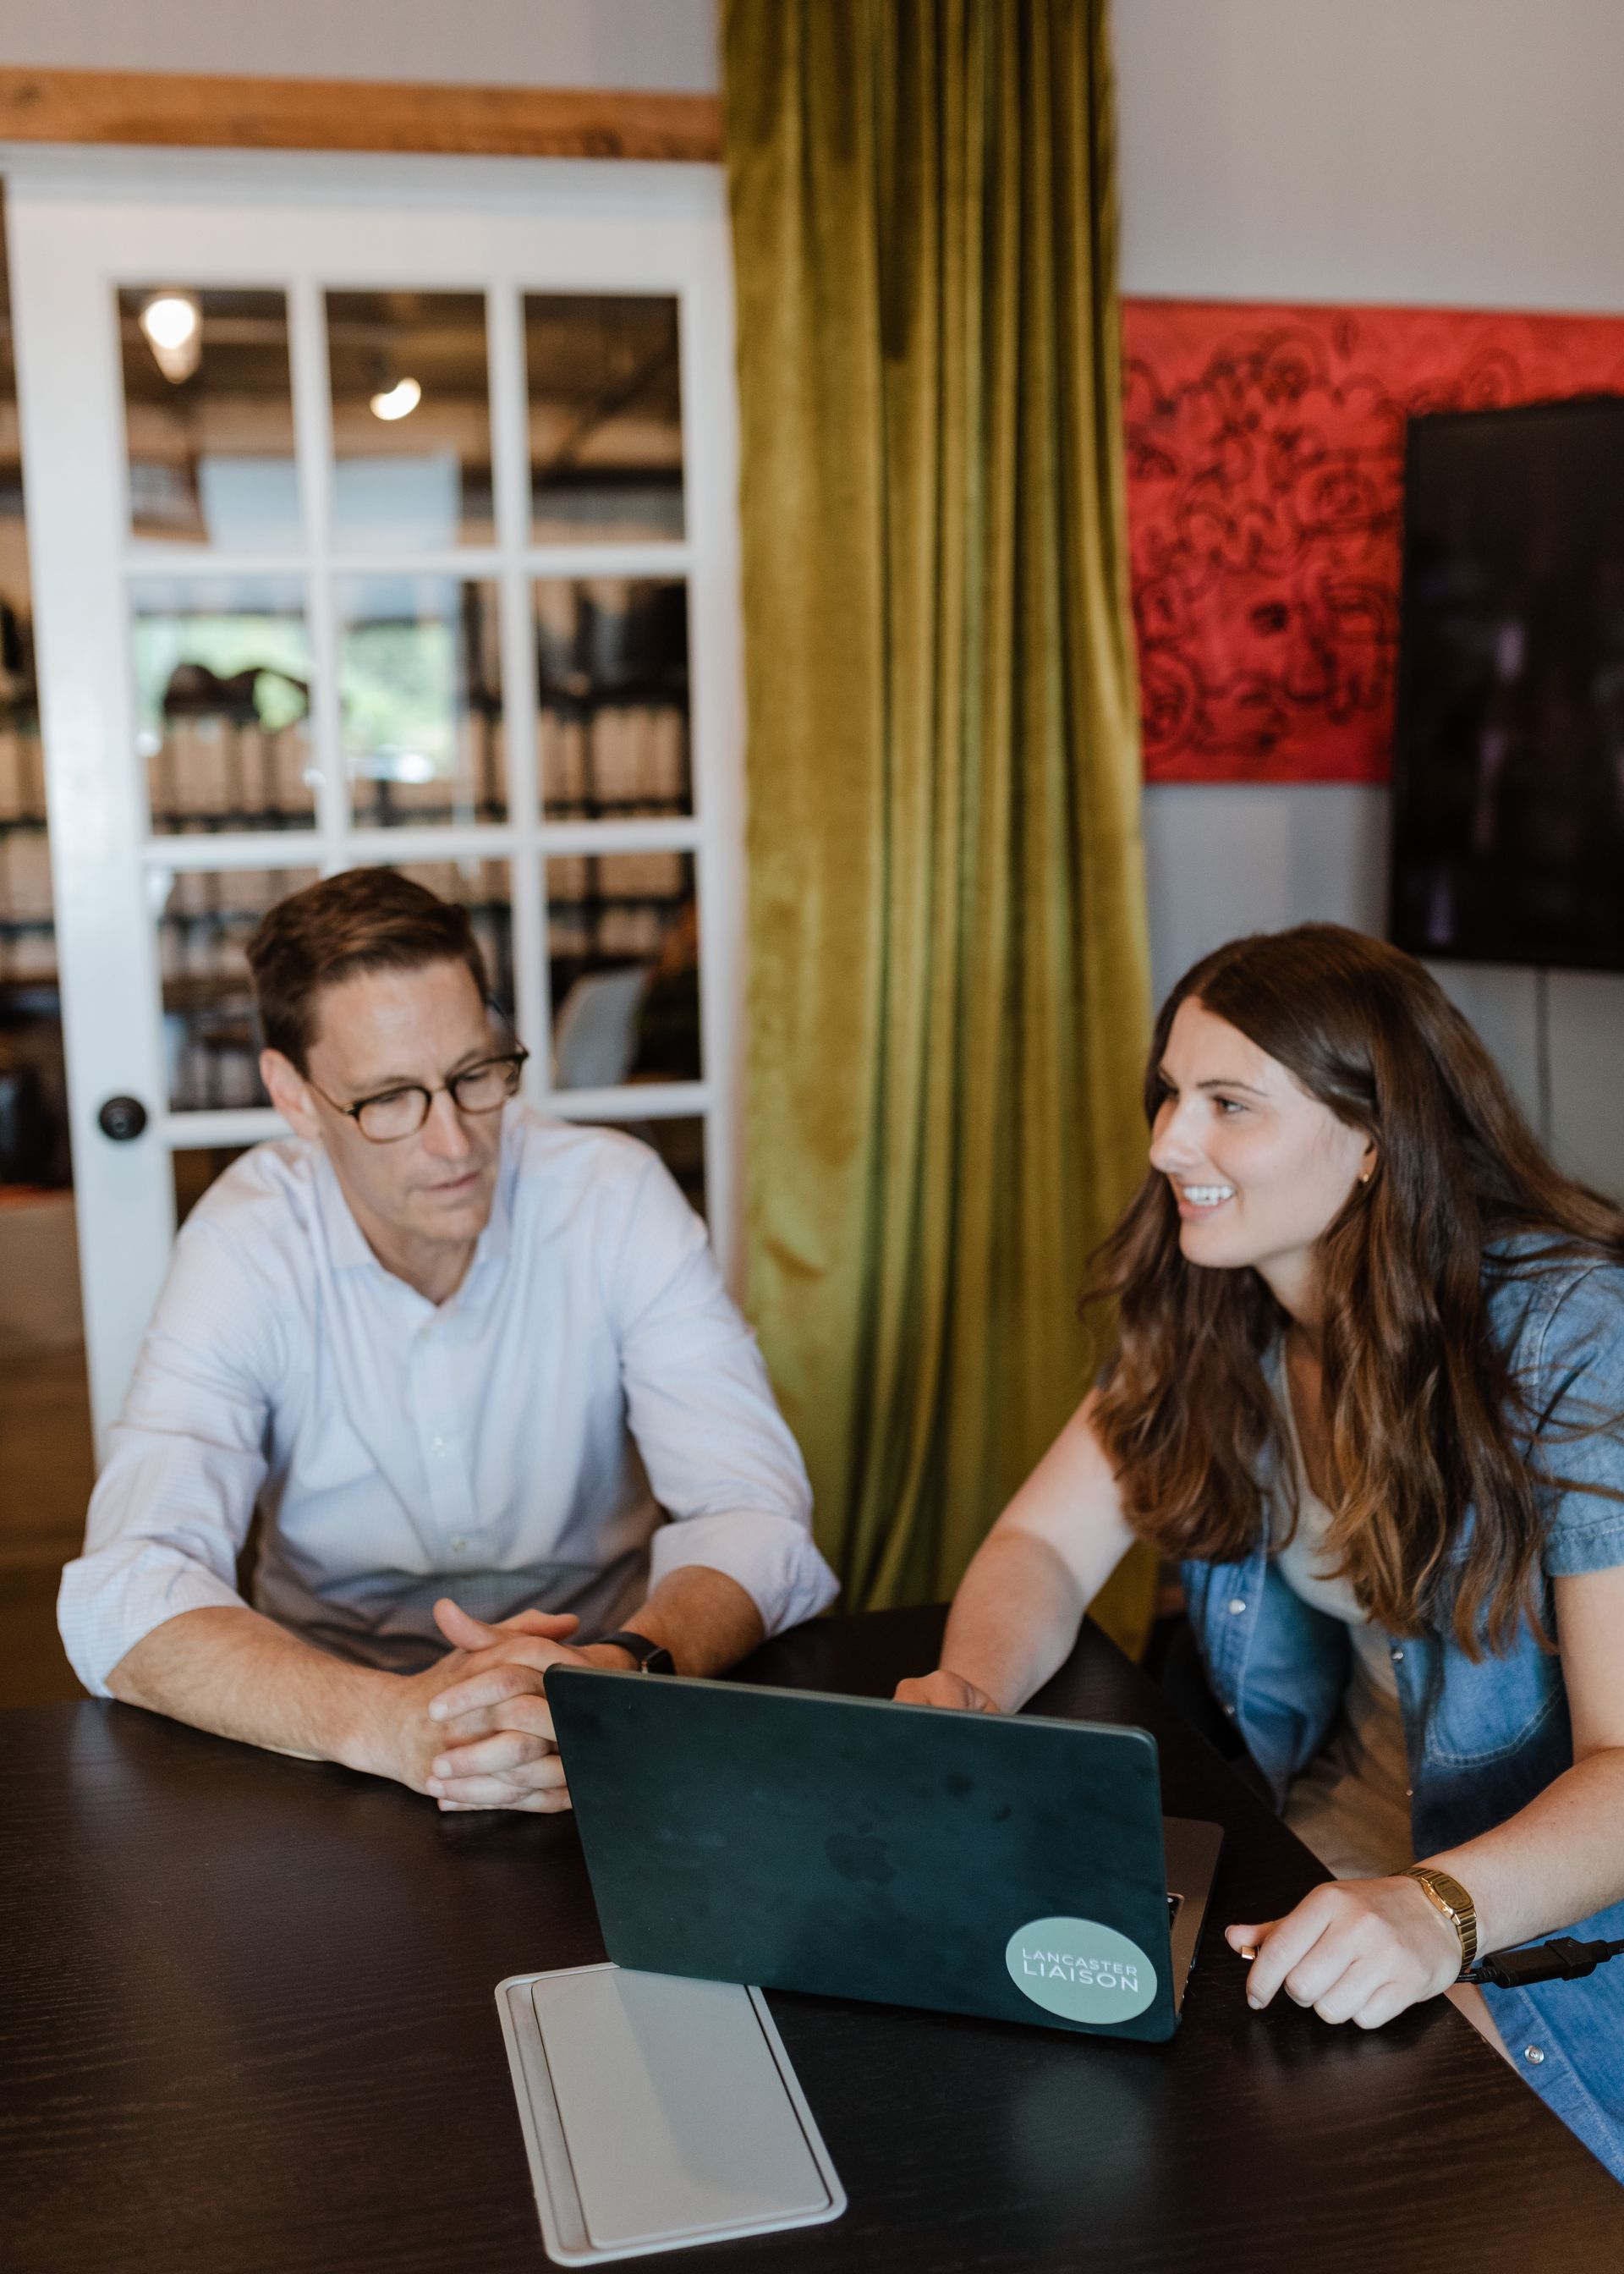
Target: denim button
{"x": 1236, "y": 1605}
{"x": 1229, "y": 1710}
{"x": 1532, "y": 2054}
{"x": 1398, "y": 1658}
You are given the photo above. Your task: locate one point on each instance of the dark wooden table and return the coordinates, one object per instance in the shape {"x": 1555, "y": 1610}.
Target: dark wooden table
{"x": 246, "y": 2027}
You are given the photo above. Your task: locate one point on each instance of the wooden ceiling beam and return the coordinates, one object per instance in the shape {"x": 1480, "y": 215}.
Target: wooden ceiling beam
{"x": 197, "y": 112}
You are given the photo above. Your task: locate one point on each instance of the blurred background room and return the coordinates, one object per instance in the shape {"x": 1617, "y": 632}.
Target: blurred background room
{"x": 452, "y": 478}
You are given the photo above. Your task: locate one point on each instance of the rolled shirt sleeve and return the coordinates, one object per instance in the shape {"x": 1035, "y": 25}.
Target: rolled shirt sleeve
{"x": 186, "y": 1457}
{"x": 720, "y": 1459}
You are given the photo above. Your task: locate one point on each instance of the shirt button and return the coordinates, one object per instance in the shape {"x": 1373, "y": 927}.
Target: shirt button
{"x": 1229, "y": 1710}
{"x": 1237, "y": 1605}
{"x": 437, "y": 1444}
{"x": 459, "y": 1547}
{"x": 1398, "y": 1658}
{"x": 1532, "y": 2054}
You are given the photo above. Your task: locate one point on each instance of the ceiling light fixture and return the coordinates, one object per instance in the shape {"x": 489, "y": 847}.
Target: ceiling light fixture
{"x": 173, "y": 326}
{"x": 396, "y": 402}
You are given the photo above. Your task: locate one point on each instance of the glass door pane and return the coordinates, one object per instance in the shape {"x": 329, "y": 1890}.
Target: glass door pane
{"x": 611, "y": 671}
{"x": 606, "y": 417}
{"x": 420, "y": 684}
{"x": 210, "y": 1039}
{"x": 623, "y": 954}
{"x": 412, "y": 420}
{"x": 208, "y": 417}
{"x": 223, "y": 688}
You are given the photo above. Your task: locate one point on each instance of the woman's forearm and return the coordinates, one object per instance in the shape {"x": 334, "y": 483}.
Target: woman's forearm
{"x": 1014, "y": 1619}
{"x": 1555, "y": 1860}
{"x": 1016, "y": 1615}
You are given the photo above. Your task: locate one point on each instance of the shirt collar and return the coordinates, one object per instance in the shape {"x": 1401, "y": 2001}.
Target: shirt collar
{"x": 347, "y": 1245}
{"x": 497, "y": 1237}
{"x": 346, "y": 1241}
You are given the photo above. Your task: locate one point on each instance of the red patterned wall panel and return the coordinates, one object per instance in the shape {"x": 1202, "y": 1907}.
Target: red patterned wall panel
{"x": 1265, "y": 471}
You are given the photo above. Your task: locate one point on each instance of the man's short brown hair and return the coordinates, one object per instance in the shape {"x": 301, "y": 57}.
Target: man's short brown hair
{"x": 365, "y": 919}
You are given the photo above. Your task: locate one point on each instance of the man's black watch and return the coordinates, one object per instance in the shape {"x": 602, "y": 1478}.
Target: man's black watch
{"x": 651, "y": 1657}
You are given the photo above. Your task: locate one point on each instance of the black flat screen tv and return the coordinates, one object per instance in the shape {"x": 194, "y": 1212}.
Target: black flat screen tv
{"x": 1507, "y": 830}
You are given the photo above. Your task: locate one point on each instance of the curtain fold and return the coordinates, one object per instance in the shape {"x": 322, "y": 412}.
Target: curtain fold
{"x": 948, "y": 992}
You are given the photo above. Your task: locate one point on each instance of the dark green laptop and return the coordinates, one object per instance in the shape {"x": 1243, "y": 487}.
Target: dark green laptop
{"x": 980, "y": 1863}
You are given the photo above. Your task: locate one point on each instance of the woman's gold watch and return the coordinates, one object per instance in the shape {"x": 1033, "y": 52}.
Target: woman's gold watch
{"x": 1450, "y": 1897}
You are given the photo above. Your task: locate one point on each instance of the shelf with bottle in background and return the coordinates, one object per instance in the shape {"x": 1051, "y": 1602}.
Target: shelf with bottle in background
{"x": 34, "y": 1129}
{"x": 28, "y": 937}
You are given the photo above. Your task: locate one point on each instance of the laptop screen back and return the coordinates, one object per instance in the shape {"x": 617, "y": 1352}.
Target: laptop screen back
{"x": 976, "y": 1864}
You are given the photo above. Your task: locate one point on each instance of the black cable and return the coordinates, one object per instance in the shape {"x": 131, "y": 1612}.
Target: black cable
{"x": 1561, "y": 1960}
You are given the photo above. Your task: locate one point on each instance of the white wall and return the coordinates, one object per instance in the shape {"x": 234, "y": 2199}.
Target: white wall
{"x": 669, "y": 44}
{"x": 1460, "y": 153}
{"x": 1445, "y": 152}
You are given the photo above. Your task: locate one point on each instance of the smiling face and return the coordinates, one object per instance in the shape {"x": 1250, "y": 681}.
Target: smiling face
{"x": 421, "y": 1201}
{"x": 1259, "y": 1168}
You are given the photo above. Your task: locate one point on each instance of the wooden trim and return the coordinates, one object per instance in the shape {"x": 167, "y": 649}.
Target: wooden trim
{"x": 323, "y": 114}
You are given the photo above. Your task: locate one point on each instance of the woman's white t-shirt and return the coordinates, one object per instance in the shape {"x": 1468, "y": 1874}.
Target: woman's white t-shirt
{"x": 1351, "y": 1804}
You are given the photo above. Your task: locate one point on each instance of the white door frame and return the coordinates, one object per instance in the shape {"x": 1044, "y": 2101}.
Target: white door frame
{"x": 80, "y": 223}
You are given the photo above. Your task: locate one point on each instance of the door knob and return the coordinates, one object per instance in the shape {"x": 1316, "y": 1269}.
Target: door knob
{"x": 122, "y": 1119}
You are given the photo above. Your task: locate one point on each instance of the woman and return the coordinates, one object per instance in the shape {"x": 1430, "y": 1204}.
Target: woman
{"x": 1367, "y": 1390}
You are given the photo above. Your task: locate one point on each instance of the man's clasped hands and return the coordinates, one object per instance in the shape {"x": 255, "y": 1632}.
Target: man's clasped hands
{"x": 473, "y": 1731}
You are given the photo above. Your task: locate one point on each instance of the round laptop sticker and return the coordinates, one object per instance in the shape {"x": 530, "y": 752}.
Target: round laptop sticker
{"x": 1079, "y": 1969}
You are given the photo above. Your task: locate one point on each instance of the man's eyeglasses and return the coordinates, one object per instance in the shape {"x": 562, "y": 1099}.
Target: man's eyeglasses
{"x": 397, "y": 1113}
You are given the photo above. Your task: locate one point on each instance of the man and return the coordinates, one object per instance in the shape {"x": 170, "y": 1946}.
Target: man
{"x": 449, "y": 1348}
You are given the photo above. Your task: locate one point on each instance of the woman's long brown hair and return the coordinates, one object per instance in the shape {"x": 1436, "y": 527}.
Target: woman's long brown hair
{"x": 1424, "y": 1416}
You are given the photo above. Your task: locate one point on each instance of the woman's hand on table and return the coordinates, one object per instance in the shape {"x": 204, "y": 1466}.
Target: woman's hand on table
{"x": 1356, "y": 1950}
{"x": 944, "y": 1689}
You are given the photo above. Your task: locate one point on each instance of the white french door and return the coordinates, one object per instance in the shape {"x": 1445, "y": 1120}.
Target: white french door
{"x": 379, "y": 510}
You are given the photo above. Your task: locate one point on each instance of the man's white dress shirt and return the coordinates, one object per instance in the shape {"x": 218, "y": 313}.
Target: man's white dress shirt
{"x": 587, "y": 1413}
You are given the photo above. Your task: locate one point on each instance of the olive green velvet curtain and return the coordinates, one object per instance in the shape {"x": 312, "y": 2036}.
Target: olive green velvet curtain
{"x": 947, "y": 971}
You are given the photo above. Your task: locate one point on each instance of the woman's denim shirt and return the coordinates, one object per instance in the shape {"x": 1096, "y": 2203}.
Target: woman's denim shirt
{"x": 1482, "y": 1739}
